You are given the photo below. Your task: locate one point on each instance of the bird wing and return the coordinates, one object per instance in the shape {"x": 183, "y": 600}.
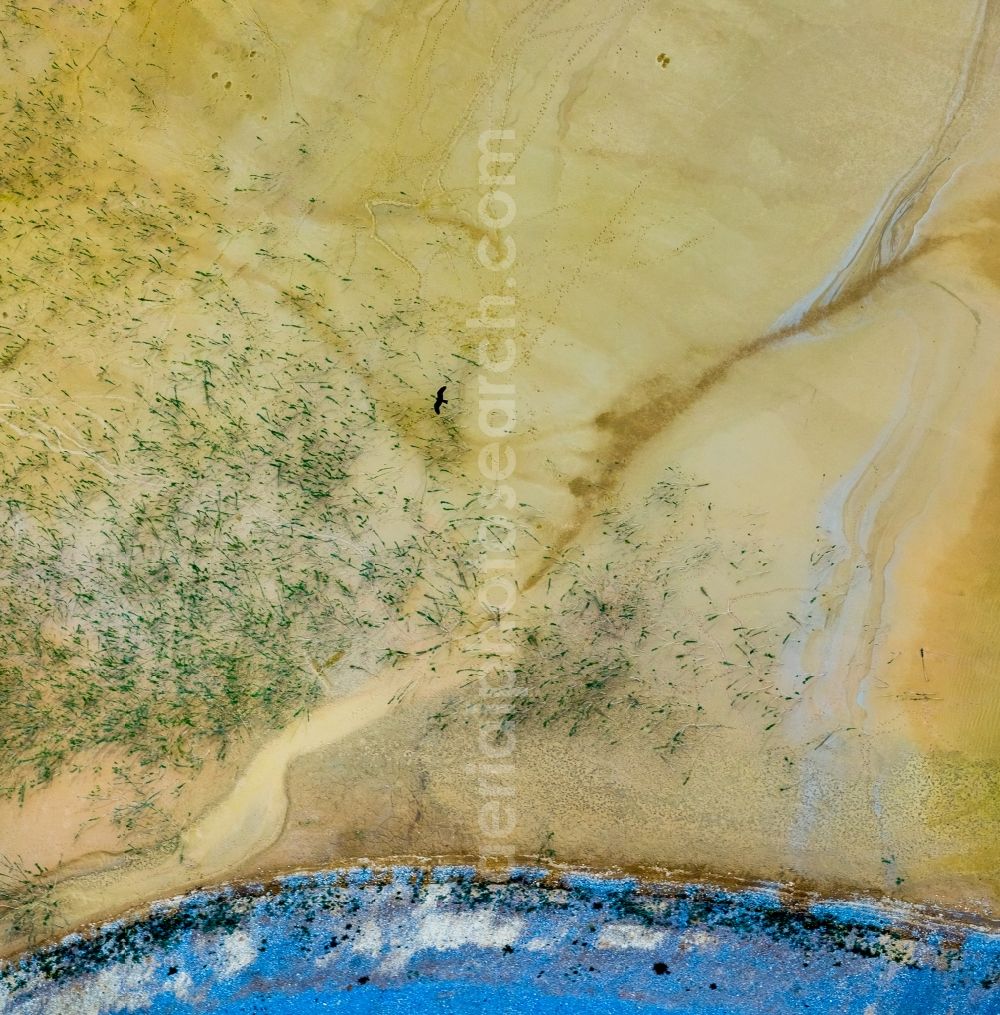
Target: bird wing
{"x": 441, "y": 390}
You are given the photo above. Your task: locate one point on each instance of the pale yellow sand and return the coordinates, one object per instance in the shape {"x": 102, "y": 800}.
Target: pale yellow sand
{"x": 757, "y": 344}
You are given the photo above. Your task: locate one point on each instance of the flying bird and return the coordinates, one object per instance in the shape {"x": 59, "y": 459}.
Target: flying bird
{"x": 441, "y": 400}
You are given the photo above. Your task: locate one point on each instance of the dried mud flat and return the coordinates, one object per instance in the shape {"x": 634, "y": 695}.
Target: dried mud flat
{"x": 750, "y": 521}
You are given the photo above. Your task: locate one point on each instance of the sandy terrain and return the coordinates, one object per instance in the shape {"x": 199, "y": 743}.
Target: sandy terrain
{"x": 745, "y": 506}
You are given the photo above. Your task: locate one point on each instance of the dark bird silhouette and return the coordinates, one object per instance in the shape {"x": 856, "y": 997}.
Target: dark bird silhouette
{"x": 441, "y": 400}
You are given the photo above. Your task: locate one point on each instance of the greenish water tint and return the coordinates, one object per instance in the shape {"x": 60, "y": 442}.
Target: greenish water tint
{"x": 409, "y": 940}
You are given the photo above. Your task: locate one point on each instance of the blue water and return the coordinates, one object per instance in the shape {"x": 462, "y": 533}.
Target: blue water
{"x": 402, "y": 940}
{"x": 429, "y": 999}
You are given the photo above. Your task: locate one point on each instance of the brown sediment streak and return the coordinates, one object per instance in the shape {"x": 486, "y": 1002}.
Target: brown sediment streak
{"x": 631, "y": 430}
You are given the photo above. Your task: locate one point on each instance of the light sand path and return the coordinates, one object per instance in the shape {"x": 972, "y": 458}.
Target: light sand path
{"x": 251, "y": 816}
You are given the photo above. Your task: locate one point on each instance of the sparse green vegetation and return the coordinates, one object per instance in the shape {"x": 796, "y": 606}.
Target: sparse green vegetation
{"x": 164, "y": 598}
{"x": 202, "y": 478}
{"x": 26, "y": 904}
{"x": 621, "y": 631}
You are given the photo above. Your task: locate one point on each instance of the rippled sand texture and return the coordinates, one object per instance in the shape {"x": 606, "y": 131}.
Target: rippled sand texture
{"x": 755, "y": 488}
